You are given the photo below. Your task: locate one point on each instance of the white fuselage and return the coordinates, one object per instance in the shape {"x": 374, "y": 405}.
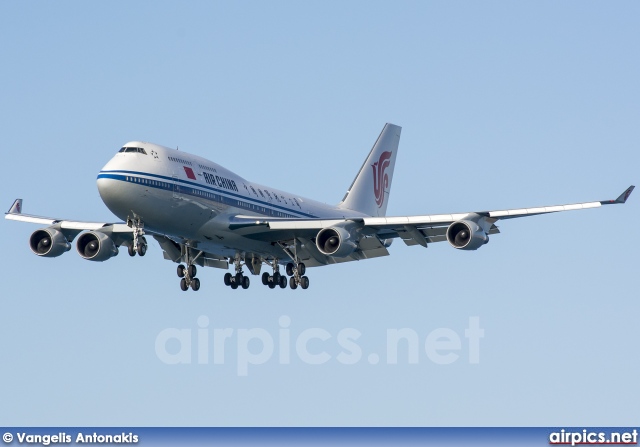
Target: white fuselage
{"x": 189, "y": 198}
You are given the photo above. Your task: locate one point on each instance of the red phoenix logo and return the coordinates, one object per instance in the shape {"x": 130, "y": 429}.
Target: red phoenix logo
{"x": 380, "y": 177}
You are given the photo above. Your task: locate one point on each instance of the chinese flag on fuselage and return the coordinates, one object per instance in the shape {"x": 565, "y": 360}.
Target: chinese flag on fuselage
{"x": 190, "y": 173}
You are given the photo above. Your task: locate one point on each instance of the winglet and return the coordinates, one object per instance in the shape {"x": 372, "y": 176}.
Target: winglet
{"x": 16, "y": 208}
{"x": 625, "y": 195}
{"x": 622, "y": 198}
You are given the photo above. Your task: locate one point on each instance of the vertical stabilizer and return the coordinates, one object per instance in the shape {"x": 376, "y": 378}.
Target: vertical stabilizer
{"x": 369, "y": 192}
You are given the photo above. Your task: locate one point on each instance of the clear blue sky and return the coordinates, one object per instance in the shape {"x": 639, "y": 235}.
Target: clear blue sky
{"x": 502, "y": 104}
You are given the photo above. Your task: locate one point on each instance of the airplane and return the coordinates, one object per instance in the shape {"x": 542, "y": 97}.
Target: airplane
{"x": 203, "y": 215}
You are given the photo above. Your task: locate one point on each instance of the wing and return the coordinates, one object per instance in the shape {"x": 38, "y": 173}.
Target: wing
{"x": 413, "y": 230}
{"x": 71, "y": 227}
{"x": 118, "y": 231}
{"x": 432, "y": 228}
{"x": 174, "y": 249}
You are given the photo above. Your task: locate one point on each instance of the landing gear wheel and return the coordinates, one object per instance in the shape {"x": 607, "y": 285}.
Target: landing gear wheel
{"x": 195, "y": 284}
{"x": 193, "y": 271}
{"x": 181, "y": 270}
{"x": 238, "y": 278}
{"x": 292, "y": 283}
{"x": 132, "y": 252}
{"x": 234, "y": 286}
{"x": 272, "y": 284}
{"x": 183, "y": 285}
{"x": 265, "y": 278}
{"x": 227, "y": 279}
{"x": 245, "y": 282}
{"x": 289, "y": 269}
{"x": 283, "y": 282}
{"x": 304, "y": 282}
{"x": 142, "y": 249}
{"x": 276, "y": 278}
{"x": 302, "y": 269}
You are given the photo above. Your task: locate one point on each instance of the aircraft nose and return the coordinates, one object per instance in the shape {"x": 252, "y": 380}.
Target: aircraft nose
{"x": 111, "y": 187}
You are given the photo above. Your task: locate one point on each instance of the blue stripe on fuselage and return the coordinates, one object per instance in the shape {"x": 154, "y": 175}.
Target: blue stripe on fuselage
{"x": 122, "y": 176}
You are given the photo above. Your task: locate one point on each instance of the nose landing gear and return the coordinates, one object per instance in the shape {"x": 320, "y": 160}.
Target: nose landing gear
{"x": 139, "y": 243}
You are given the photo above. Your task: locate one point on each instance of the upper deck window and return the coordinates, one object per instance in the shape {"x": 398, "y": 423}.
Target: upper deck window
{"x": 138, "y": 150}
{"x": 181, "y": 160}
{"x": 206, "y": 168}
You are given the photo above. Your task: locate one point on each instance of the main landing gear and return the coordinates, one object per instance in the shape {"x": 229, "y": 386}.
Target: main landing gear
{"x": 295, "y": 274}
{"x": 188, "y": 275}
{"x": 297, "y": 277}
{"x": 275, "y": 280}
{"x": 279, "y": 280}
{"x": 295, "y": 270}
{"x": 237, "y": 280}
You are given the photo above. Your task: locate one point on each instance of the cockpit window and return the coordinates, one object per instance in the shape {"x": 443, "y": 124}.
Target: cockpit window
{"x": 138, "y": 150}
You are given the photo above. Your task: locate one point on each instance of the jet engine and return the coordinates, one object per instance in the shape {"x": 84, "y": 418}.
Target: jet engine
{"x": 96, "y": 246}
{"x": 335, "y": 241}
{"x": 49, "y": 243}
{"x": 466, "y": 235}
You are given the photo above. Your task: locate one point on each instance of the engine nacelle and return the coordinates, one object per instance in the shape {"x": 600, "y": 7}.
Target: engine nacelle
{"x": 96, "y": 246}
{"x": 49, "y": 243}
{"x": 335, "y": 241}
{"x": 466, "y": 235}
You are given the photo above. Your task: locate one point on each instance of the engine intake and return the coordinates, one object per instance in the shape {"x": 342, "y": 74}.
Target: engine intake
{"x": 96, "y": 246}
{"x": 335, "y": 241}
{"x": 49, "y": 243}
{"x": 466, "y": 235}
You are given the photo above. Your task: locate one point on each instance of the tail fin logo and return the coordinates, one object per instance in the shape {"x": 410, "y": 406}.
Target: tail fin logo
{"x": 380, "y": 177}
